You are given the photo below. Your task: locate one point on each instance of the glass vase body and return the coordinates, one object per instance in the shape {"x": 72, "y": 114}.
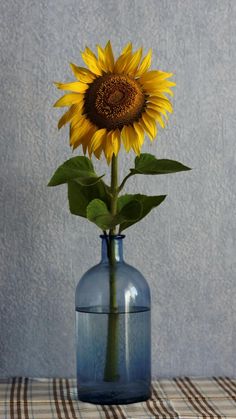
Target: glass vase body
{"x": 113, "y": 330}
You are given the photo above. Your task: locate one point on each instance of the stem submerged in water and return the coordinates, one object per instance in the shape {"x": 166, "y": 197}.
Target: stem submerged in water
{"x": 111, "y": 365}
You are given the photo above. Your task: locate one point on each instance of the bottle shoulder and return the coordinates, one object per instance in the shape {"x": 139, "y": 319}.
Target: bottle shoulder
{"x": 123, "y": 271}
{"x": 131, "y": 285}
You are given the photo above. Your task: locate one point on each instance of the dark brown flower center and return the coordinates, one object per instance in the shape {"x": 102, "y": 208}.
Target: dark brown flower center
{"x": 114, "y": 100}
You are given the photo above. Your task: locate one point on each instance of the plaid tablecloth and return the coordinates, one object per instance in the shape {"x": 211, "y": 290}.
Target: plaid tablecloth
{"x": 182, "y": 398}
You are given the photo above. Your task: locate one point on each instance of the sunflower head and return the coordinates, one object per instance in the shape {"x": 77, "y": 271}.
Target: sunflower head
{"x": 114, "y": 101}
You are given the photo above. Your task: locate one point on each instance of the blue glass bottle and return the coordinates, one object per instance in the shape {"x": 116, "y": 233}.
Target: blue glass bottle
{"x": 113, "y": 330}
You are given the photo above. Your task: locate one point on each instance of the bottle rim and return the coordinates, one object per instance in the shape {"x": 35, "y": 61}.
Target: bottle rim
{"x": 112, "y": 237}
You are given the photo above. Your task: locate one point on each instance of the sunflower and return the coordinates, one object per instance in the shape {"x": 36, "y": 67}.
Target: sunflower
{"x": 114, "y": 101}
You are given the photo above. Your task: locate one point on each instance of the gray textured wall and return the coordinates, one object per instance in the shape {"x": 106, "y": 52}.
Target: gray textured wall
{"x": 186, "y": 248}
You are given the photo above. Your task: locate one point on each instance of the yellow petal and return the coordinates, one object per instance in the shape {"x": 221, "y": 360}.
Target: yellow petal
{"x": 109, "y": 57}
{"x": 153, "y": 87}
{"x": 162, "y": 103}
{"x": 89, "y": 52}
{"x": 97, "y": 140}
{"x": 85, "y": 139}
{"x": 145, "y": 64}
{"x": 122, "y": 62}
{"x": 98, "y": 151}
{"x": 145, "y": 129}
{"x": 115, "y": 139}
{"x": 131, "y": 138}
{"x": 101, "y": 58}
{"x": 71, "y": 113}
{"x": 160, "y": 90}
{"x": 92, "y": 65}
{"x": 158, "y": 96}
{"x": 160, "y": 121}
{"x": 108, "y": 147}
{"x": 134, "y": 62}
{"x": 101, "y": 53}
{"x": 69, "y": 99}
{"x": 126, "y": 138}
{"x": 155, "y": 115}
{"x": 150, "y": 125}
{"x": 82, "y": 74}
{"x": 91, "y": 61}
{"x": 75, "y": 86}
{"x": 139, "y": 139}
{"x": 79, "y": 129}
{"x": 127, "y": 48}
{"x": 75, "y": 129}
{"x": 155, "y": 75}
{"x": 158, "y": 108}
{"x": 74, "y": 121}
{"x": 124, "y": 59}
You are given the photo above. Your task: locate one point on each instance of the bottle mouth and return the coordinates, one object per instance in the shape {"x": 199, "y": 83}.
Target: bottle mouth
{"x": 112, "y": 237}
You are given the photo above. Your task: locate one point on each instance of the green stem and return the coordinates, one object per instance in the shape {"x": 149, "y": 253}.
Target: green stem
{"x": 124, "y": 181}
{"x": 111, "y": 365}
{"x": 114, "y": 188}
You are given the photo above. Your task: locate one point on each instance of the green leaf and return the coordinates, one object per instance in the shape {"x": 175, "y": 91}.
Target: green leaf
{"x": 80, "y": 196}
{"x": 147, "y": 164}
{"x": 78, "y": 168}
{"x": 147, "y": 204}
{"x": 130, "y": 211}
{"x": 98, "y": 213}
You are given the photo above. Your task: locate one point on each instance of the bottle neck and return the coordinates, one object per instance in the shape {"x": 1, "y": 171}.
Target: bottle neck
{"x": 112, "y": 248}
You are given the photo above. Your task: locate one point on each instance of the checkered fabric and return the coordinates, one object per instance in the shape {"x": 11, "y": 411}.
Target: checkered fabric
{"x": 182, "y": 398}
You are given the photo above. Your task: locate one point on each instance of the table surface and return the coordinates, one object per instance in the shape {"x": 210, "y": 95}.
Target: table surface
{"x": 177, "y": 398}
